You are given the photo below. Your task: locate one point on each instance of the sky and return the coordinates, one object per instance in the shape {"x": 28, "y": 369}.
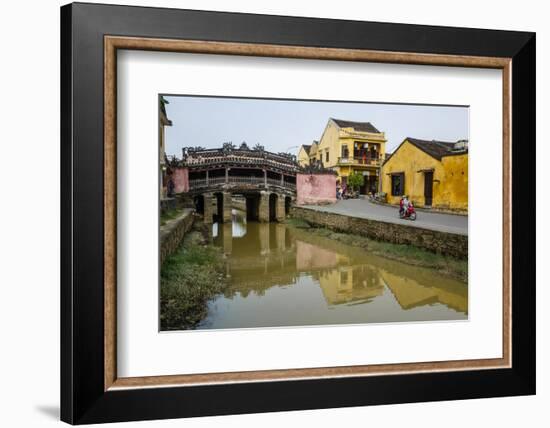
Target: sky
{"x": 284, "y": 125}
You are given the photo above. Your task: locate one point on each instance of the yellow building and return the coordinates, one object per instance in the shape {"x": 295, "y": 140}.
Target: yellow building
{"x": 347, "y": 147}
{"x": 431, "y": 173}
{"x": 350, "y": 284}
{"x": 303, "y": 157}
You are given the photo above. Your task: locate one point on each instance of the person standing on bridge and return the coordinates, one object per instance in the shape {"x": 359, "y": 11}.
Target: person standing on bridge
{"x": 170, "y": 187}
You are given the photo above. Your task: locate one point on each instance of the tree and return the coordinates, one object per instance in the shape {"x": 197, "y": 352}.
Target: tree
{"x": 355, "y": 181}
{"x": 163, "y": 102}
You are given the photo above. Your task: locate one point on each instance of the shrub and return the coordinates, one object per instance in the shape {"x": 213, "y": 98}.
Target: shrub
{"x": 355, "y": 181}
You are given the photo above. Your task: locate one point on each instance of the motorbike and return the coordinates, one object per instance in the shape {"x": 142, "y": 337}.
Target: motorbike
{"x": 350, "y": 194}
{"x": 409, "y": 213}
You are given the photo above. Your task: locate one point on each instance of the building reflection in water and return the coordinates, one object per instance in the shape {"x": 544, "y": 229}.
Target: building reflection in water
{"x": 281, "y": 275}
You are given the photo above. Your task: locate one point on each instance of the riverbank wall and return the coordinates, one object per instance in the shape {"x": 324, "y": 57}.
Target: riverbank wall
{"x": 172, "y": 233}
{"x": 449, "y": 244}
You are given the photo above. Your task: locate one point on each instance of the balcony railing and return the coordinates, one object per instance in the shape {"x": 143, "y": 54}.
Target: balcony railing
{"x": 368, "y": 161}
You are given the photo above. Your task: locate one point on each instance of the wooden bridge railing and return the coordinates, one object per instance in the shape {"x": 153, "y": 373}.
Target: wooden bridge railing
{"x": 199, "y": 183}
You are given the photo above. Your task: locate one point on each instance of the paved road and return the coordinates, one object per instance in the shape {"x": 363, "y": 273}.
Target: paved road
{"x": 427, "y": 220}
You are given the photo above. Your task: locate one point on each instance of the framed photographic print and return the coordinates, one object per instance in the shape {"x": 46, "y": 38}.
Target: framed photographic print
{"x": 266, "y": 213}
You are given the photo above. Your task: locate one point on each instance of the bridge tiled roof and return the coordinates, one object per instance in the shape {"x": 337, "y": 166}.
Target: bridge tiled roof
{"x": 240, "y": 157}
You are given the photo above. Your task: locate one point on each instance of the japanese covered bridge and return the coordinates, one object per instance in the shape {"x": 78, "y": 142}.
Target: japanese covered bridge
{"x": 265, "y": 180}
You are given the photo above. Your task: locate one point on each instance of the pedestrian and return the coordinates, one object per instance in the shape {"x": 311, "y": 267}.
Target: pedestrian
{"x": 171, "y": 186}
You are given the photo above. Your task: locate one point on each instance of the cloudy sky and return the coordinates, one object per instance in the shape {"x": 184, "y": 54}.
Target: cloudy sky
{"x": 284, "y": 125}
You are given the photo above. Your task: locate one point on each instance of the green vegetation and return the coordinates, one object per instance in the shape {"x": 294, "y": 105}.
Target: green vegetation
{"x": 169, "y": 215}
{"x": 355, "y": 181}
{"x": 408, "y": 254}
{"x": 188, "y": 279}
{"x": 298, "y": 223}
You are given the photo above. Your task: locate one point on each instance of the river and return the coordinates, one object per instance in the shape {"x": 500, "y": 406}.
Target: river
{"x": 283, "y": 276}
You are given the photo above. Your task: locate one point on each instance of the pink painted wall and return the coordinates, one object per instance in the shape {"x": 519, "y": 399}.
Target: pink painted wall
{"x": 181, "y": 180}
{"x": 315, "y": 189}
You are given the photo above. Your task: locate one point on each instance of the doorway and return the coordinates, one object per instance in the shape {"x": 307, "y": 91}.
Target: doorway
{"x": 428, "y": 188}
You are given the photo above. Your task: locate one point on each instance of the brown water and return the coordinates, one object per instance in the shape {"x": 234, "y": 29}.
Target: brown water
{"x": 282, "y": 276}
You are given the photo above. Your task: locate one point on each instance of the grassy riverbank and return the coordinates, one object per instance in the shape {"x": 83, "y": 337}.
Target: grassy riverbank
{"x": 169, "y": 215}
{"x": 408, "y": 254}
{"x": 188, "y": 279}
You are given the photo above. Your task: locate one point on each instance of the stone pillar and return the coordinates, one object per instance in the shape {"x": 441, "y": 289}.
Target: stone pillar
{"x": 282, "y": 180}
{"x": 263, "y": 230}
{"x": 226, "y": 216}
{"x": 263, "y": 209}
{"x": 226, "y": 175}
{"x": 207, "y": 177}
{"x": 265, "y": 179}
{"x": 280, "y": 208}
{"x": 280, "y": 236}
{"x": 227, "y": 237}
{"x": 208, "y": 211}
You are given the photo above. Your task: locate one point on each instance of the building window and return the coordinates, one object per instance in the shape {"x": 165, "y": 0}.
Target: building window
{"x": 343, "y": 277}
{"x": 326, "y": 156}
{"x": 345, "y": 152}
{"x": 398, "y": 184}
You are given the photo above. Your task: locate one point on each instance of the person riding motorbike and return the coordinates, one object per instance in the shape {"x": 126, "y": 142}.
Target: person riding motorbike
{"x": 403, "y": 205}
{"x": 406, "y": 209}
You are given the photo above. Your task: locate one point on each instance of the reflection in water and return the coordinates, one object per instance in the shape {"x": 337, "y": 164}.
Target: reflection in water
{"x": 289, "y": 277}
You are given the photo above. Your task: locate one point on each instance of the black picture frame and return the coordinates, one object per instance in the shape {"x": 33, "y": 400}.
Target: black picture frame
{"x": 83, "y": 399}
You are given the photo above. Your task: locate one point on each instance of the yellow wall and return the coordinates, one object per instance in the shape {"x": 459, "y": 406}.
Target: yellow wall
{"x": 412, "y": 292}
{"x": 330, "y": 142}
{"x": 455, "y": 189}
{"x": 450, "y": 187}
{"x": 313, "y": 151}
{"x": 303, "y": 157}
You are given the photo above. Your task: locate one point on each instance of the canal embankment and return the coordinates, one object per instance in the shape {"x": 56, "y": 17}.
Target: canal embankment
{"x": 192, "y": 269}
{"x": 175, "y": 223}
{"x": 406, "y": 254}
{"x": 435, "y": 241}
{"x": 189, "y": 277}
